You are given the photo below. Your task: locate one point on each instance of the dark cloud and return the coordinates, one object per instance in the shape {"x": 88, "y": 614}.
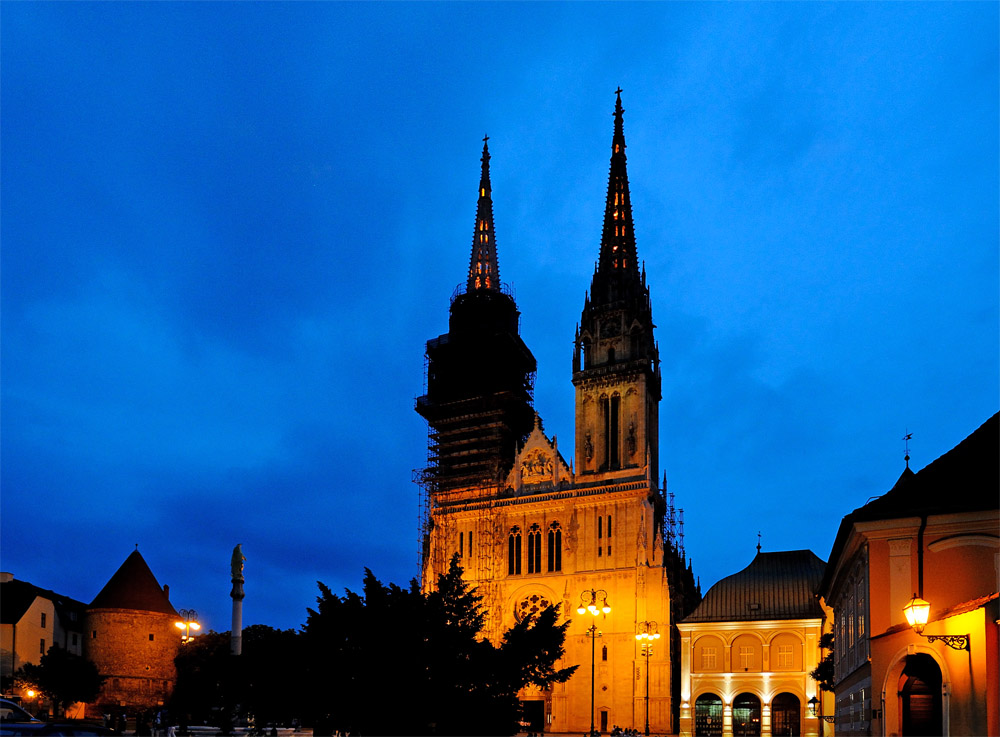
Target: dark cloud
{"x": 228, "y": 230}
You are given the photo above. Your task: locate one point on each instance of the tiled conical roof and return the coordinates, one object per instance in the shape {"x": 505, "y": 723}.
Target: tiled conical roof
{"x": 133, "y": 587}
{"x": 774, "y": 586}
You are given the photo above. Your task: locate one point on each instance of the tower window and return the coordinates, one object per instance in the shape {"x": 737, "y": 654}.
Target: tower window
{"x": 604, "y": 652}
{"x": 611, "y": 427}
{"x": 514, "y": 551}
{"x": 555, "y": 547}
{"x": 43, "y": 620}
{"x": 534, "y": 549}
{"x": 41, "y": 647}
{"x": 461, "y": 544}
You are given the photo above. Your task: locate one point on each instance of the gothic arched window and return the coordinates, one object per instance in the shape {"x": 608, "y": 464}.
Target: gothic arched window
{"x": 534, "y": 549}
{"x": 514, "y": 551}
{"x": 555, "y": 547}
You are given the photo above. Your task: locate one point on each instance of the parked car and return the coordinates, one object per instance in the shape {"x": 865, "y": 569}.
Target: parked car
{"x": 16, "y": 722}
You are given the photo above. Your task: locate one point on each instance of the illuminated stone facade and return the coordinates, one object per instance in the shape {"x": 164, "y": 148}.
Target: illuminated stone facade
{"x": 748, "y": 649}
{"x": 130, "y": 636}
{"x": 533, "y": 530}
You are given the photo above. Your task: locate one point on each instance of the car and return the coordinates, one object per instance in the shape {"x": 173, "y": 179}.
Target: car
{"x": 16, "y": 722}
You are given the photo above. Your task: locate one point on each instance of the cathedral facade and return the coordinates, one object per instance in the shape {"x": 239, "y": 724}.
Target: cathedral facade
{"x": 596, "y": 535}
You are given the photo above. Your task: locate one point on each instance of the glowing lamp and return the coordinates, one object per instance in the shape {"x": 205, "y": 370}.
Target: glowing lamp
{"x": 916, "y": 612}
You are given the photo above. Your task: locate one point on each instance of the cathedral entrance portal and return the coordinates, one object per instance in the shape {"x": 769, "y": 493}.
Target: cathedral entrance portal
{"x": 533, "y": 716}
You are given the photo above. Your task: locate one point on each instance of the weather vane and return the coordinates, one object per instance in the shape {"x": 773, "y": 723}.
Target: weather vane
{"x": 906, "y": 447}
{"x": 758, "y": 541}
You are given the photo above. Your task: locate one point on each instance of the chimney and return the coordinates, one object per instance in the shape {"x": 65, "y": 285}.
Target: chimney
{"x": 166, "y": 591}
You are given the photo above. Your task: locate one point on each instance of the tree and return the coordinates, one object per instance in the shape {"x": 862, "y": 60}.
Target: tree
{"x": 215, "y": 686}
{"x": 397, "y": 661}
{"x": 823, "y": 673}
{"x": 63, "y": 677}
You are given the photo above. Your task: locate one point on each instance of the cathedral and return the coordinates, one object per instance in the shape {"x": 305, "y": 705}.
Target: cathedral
{"x": 597, "y": 535}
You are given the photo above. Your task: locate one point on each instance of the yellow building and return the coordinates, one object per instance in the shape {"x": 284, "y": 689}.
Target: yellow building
{"x": 934, "y": 536}
{"x": 748, "y": 649}
{"x": 32, "y": 620}
{"x": 532, "y": 529}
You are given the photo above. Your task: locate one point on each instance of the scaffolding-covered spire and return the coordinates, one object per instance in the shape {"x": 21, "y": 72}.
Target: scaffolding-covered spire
{"x": 483, "y": 270}
{"x": 618, "y": 254}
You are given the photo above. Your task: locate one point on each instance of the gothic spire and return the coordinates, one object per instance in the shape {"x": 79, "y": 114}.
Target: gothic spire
{"x": 618, "y": 254}
{"x": 483, "y": 270}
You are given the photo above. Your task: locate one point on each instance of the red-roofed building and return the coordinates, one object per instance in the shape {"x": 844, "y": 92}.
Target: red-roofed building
{"x": 934, "y": 535}
{"x": 131, "y": 638}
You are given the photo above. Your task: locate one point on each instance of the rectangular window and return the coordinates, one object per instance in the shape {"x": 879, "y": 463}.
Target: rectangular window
{"x": 613, "y": 461}
{"x": 708, "y": 661}
{"x": 470, "y": 542}
{"x": 43, "y": 620}
{"x": 73, "y": 639}
{"x": 41, "y": 647}
{"x": 461, "y": 544}
{"x": 151, "y": 637}
{"x": 600, "y": 527}
{"x": 93, "y": 635}
{"x": 746, "y": 658}
{"x": 785, "y": 656}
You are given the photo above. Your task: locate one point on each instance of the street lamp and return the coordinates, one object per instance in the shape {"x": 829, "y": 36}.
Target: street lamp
{"x": 588, "y": 603}
{"x": 646, "y": 637}
{"x": 813, "y": 703}
{"x": 917, "y": 611}
{"x": 188, "y": 622}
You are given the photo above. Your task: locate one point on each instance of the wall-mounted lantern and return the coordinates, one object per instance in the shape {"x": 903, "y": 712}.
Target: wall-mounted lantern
{"x": 917, "y": 611}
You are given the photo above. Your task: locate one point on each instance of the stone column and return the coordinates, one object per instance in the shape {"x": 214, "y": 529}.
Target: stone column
{"x": 236, "y": 634}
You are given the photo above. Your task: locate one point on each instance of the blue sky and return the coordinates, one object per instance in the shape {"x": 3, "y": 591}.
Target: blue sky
{"x": 228, "y": 229}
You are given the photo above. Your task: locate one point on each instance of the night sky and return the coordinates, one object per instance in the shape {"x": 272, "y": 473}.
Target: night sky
{"x": 228, "y": 230}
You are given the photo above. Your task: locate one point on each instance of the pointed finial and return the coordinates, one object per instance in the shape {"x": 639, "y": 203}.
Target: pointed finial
{"x": 484, "y": 272}
{"x": 137, "y": 547}
{"x": 907, "y": 437}
{"x": 758, "y": 541}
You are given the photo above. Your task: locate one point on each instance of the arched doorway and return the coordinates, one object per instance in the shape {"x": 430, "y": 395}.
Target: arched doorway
{"x": 785, "y": 714}
{"x": 708, "y": 716}
{"x": 746, "y": 716}
{"x": 920, "y": 696}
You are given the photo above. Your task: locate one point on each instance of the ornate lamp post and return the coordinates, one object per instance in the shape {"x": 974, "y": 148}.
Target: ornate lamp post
{"x": 588, "y": 603}
{"x": 188, "y": 622}
{"x": 646, "y": 636}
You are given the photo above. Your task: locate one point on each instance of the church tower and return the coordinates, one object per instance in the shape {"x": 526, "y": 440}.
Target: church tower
{"x": 595, "y": 537}
{"x": 616, "y": 364}
{"x": 480, "y": 377}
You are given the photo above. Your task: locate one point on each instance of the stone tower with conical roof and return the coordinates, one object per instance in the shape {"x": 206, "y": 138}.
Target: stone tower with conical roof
{"x": 531, "y": 529}
{"x": 130, "y": 636}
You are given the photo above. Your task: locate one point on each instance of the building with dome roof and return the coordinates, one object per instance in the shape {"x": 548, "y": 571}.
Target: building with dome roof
{"x": 130, "y": 636}
{"x": 748, "y": 648}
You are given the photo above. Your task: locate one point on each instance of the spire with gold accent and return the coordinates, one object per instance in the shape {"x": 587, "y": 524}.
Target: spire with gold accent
{"x": 483, "y": 270}
{"x": 618, "y": 254}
